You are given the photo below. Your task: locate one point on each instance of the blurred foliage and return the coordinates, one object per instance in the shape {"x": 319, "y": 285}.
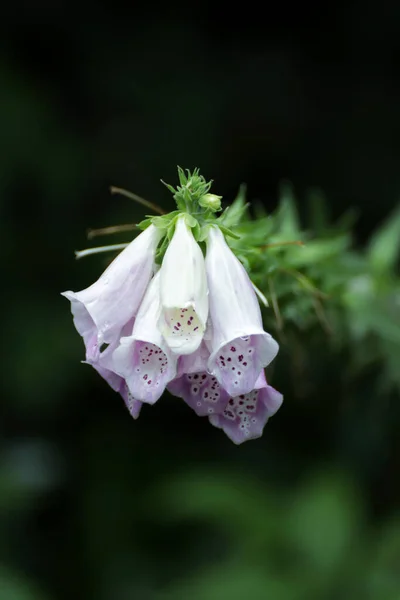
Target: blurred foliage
{"x": 314, "y": 277}
{"x": 96, "y": 506}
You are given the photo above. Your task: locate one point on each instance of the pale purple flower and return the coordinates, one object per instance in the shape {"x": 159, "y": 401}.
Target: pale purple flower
{"x": 200, "y": 390}
{"x": 240, "y": 348}
{"x": 143, "y": 359}
{"x": 184, "y": 296}
{"x": 245, "y": 415}
{"x": 101, "y": 310}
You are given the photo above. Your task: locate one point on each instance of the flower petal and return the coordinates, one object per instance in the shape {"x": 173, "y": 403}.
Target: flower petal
{"x": 246, "y": 415}
{"x": 195, "y": 362}
{"x": 143, "y": 359}
{"x": 240, "y": 346}
{"x": 183, "y": 292}
{"x": 104, "y": 366}
{"x": 201, "y": 391}
{"x": 101, "y": 310}
{"x": 134, "y": 406}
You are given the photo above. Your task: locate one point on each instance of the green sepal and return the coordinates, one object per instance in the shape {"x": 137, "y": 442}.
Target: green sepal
{"x": 228, "y": 232}
{"x": 167, "y": 185}
{"x": 144, "y": 224}
{"x": 162, "y": 222}
{"x": 203, "y": 233}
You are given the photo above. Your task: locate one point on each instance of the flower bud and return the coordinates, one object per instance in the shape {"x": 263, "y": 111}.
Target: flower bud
{"x": 211, "y": 201}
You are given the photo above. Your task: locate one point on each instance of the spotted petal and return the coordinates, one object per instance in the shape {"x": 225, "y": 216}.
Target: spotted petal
{"x": 200, "y": 390}
{"x": 246, "y": 415}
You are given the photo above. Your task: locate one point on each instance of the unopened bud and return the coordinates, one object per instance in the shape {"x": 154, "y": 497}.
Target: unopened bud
{"x": 211, "y": 201}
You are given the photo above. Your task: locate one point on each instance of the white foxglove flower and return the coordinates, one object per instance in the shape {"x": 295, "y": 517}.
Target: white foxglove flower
{"x": 143, "y": 359}
{"x": 101, "y": 310}
{"x": 184, "y": 296}
{"x": 240, "y": 347}
{"x": 245, "y": 415}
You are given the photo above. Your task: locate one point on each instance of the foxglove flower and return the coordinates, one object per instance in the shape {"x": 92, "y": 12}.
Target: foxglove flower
{"x": 200, "y": 390}
{"x": 184, "y": 297}
{"x": 143, "y": 359}
{"x": 101, "y": 310}
{"x": 240, "y": 346}
{"x": 245, "y": 415}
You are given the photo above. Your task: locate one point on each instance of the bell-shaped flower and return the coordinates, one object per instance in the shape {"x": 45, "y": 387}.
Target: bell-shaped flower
{"x": 143, "y": 359}
{"x": 184, "y": 296}
{"x": 101, "y": 310}
{"x": 245, "y": 415}
{"x": 240, "y": 348}
{"x": 200, "y": 390}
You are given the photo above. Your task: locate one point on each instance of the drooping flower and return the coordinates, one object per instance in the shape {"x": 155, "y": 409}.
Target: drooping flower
{"x": 246, "y": 415}
{"x": 240, "y": 347}
{"x": 101, "y": 310}
{"x": 184, "y": 296}
{"x": 200, "y": 390}
{"x": 143, "y": 359}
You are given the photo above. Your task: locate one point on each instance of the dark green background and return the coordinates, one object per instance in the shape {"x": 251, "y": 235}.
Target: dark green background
{"x": 92, "y": 504}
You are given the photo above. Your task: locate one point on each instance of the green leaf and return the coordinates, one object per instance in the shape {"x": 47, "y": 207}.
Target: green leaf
{"x": 287, "y": 215}
{"x": 318, "y": 210}
{"x": 234, "y": 213}
{"x": 384, "y": 247}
